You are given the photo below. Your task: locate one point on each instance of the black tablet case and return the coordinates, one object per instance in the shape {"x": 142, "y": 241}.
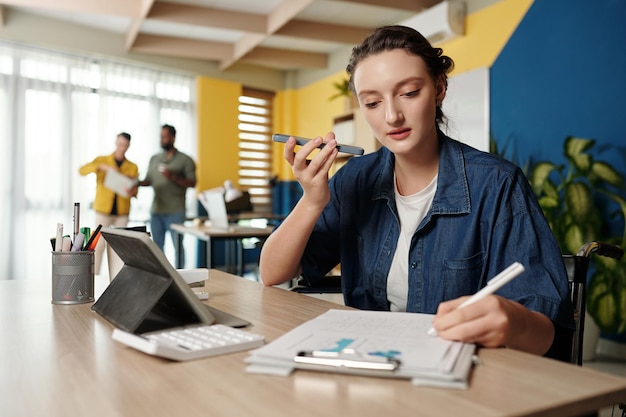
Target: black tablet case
{"x": 142, "y": 297}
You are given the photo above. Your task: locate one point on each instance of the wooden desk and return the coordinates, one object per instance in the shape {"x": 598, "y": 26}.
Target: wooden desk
{"x": 59, "y": 360}
{"x": 207, "y": 234}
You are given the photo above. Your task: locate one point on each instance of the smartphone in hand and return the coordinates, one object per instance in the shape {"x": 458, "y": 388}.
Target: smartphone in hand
{"x": 354, "y": 150}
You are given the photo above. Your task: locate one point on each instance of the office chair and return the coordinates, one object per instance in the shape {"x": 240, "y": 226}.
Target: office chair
{"x": 330, "y": 284}
{"x": 577, "y": 267}
{"x": 567, "y": 346}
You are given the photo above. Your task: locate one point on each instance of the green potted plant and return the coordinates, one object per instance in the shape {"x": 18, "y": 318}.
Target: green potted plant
{"x": 343, "y": 90}
{"x": 568, "y": 195}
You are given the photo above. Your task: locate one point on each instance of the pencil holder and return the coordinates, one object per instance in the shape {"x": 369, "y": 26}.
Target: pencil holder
{"x": 72, "y": 277}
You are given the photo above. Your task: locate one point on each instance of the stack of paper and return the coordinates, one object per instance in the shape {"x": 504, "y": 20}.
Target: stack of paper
{"x": 368, "y": 337}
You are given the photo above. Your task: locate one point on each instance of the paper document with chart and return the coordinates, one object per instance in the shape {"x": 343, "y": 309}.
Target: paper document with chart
{"x": 374, "y": 343}
{"x": 118, "y": 183}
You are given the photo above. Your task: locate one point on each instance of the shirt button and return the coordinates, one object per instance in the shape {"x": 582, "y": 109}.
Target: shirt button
{"x": 388, "y": 252}
{"x": 413, "y": 265}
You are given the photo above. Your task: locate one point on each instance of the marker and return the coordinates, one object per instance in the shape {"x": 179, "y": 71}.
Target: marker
{"x": 86, "y": 232}
{"x": 493, "y": 285}
{"x": 67, "y": 243}
{"x": 58, "y": 243}
{"x": 78, "y": 242}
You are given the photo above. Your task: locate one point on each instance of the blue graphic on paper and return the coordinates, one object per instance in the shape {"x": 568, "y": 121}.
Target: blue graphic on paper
{"x": 340, "y": 345}
{"x": 389, "y": 354}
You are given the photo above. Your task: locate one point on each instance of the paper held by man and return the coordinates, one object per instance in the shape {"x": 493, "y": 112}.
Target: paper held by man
{"x": 119, "y": 183}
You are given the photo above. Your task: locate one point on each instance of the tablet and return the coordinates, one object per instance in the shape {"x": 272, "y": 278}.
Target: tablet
{"x": 148, "y": 294}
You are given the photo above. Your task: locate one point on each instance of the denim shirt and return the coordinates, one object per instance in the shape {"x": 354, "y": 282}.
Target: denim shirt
{"x": 484, "y": 216}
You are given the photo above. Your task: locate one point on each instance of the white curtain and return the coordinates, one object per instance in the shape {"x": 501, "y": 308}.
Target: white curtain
{"x": 58, "y": 113}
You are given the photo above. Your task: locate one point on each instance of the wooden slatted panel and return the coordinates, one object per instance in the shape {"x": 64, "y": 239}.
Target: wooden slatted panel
{"x": 255, "y": 148}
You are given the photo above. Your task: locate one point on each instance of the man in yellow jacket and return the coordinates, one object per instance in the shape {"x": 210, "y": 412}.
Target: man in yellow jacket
{"x": 111, "y": 209}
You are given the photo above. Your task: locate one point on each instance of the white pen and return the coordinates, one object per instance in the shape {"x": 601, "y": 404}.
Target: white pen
{"x": 493, "y": 285}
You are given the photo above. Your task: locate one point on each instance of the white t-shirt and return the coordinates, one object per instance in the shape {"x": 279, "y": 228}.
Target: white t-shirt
{"x": 411, "y": 211}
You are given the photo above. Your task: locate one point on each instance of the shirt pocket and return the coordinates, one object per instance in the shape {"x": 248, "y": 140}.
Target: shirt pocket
{"x": 462, "y": 276}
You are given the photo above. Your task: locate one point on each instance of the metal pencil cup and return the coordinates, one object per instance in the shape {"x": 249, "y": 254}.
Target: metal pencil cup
{"x": 72, "y": 277}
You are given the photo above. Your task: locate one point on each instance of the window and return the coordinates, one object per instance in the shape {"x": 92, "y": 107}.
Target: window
{"x": 61, "y": 111}
{"x": 255, "y": 146}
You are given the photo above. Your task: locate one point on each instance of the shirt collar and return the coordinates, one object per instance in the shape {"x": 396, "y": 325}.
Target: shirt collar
{"x": 452, "y": 195}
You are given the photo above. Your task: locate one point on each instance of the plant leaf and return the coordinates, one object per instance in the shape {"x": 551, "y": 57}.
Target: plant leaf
{"x": 548, "y": 203}
{"x": 606, "y": 309}
{"x": 578, "y": 201}
{"x": 583, "y": 163}
{"x": 575, "y": 151}
{"x": 550, "y": 190}
{"x": 573, "y": 239}
{"x": 574, "y": 146}
{"x": 607, "y": 173}
{"x": 539, "y": 175}
{"x": 622, "y": 205}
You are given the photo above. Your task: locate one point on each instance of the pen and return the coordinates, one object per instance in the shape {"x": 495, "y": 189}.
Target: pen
{"x": 76, "y": 220}
{"x": 92, "y": 238}
{"x": 493, "y": 285}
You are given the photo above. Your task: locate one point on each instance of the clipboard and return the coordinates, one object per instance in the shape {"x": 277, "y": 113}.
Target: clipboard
{"x": 369, "y": 343}
{"x": 347, "y": 358}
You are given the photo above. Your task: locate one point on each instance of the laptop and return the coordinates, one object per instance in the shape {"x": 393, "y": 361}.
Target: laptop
{"x": 148, "y": 294}
{"x": 214, "y": 204}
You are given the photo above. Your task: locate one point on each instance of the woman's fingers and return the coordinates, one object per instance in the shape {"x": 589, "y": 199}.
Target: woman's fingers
{"x": 288, "y": 151}
{"x": 322, "y": 161}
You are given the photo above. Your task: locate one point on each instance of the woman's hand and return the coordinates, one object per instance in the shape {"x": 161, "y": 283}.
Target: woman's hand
{"x": 282, "y": 252}
{"x": 312, "y": 174}
{"x": 495, "y": 322}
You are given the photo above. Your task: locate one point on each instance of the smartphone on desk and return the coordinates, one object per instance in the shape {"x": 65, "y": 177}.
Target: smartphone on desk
{"x": 354, "y": 150}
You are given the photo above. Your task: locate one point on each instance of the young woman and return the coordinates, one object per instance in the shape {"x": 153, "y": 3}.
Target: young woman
{"x": 425, "y": 221}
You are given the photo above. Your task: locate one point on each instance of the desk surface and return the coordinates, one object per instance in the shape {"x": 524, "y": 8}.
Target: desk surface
{"x": 59, "y": 360}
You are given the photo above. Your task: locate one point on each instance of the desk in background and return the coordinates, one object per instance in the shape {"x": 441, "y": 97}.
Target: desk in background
{"x": 59, "y": 360}
{"x": 207, "y": 234}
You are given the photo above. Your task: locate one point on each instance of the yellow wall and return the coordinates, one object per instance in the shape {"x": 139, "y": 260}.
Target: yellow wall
{"x": 285, "y": 109}
{"x": 486, "y": 33}
{"x": 308, "y": 112}
{"x": 217, "y": 132}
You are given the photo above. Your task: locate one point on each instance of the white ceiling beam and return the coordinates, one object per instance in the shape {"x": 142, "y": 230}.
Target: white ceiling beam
{"x": 412, "y": 5}
{"x": 133, "y": 31}
{"x": 208, "y": 17}
{"x": 285, "y": 59}
{"x": 180, "y": 47}
{"x": 323, "y": 31}
{"x": 127, "y": 8}
{"x": 286, "y": 11}
{"x": 281, "y": 14}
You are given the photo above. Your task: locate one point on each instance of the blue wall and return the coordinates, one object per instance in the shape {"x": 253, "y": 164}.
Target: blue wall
{"x": 563, "y": 72}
